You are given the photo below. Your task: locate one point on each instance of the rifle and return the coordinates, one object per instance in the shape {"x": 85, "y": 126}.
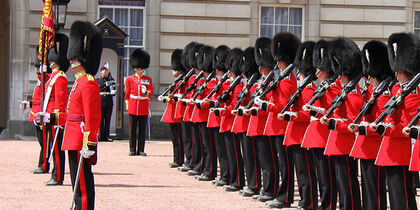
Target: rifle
{"x": 308, "y": 79}
{"x": 171, "y": 86}
{"x": 365, "y": 88}
{"x": 200, "y": 89}
{"x": 339, "y": 99}
{"x": 320, "y": 91}
{"x": 215, "y": 89}
{"x": 226, "y": 94}
{"x": 192, "y": 85}
{"x": 183, "y": 81}
{"x": 395, "y": 101}
{"x": 244, "y": 92}
{"x": 384, "y": 85}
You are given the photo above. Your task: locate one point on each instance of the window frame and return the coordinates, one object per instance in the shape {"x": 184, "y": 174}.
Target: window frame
{"x": 288, "y": 6}
{"x": 414, "y": 21}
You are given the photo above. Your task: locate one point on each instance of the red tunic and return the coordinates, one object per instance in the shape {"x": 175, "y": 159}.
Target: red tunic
{"x": 58, "y": 96}
{"x": 227, "y": 117}
{"x": 415, "y": 157}
{"x": 214, "y": 121}
{"x": 202, "y": 115}
{"x": 169, "y": 114}
{"x": 341, "y": 140}
{"x": 36, "y": 97}
{"x": 367, "y": 146}
{"x": 279, "y": 98}
{"x": 138, "y": 101}
{"x": 83, "y": 111}
{"x": 258, "y": 121}
{"x": 395, "y": 149}
{"x": 297, "y": 125}
{"x": 316, "y": 134}
{"x": 189, "y": 108}
{"x": 240, "y": 124}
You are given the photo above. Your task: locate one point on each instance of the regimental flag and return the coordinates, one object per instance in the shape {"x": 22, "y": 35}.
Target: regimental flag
{"x": 47, "y": 30}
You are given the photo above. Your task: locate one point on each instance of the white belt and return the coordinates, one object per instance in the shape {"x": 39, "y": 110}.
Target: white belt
{"x": 138, "y": 97}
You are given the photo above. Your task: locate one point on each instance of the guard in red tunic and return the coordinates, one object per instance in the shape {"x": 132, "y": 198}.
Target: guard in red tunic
{"x": 284, "y": 47}
{"x": 298, "y": 122}
{"x": 232, "y": 141}
{"x": 138, "y": 90}
{"x": 240, "y": 126}
{"x": 376, "y": 68}
{"x": 55, "y": 101}
{"x": 83, "y": 110}
{"x": 345, "y": 60}
{"x": 316, "y": 134}
{"x": 35, "y": 105}
{"x": 169, "y": 114}
{"x": 395, "y": 150}
{"x": 264, "y": 147}
{"x": 413, "y": 132}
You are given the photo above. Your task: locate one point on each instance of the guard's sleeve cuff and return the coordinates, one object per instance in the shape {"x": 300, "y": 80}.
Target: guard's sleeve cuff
{"x": 333, "y": 124}
{"x": 414, "y": 132}
{"x": 362, "y": 130}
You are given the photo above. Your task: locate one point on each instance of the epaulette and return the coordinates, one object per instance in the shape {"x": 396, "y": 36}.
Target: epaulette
{"x": 90, "y": 77}
{"x": 63, "y": 74}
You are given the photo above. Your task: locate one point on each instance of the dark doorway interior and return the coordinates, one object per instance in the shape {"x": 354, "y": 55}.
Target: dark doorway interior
{"x": 4, "y": 62}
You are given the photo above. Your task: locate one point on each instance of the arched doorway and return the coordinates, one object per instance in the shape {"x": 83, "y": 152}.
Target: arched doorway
{"x": 4, "y": 62}
{"x": 110, "y": 56}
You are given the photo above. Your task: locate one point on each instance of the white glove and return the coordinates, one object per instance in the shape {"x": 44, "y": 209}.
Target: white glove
{"x": 113, "y": 92}
{"x": 86, "y": 153}
{"x": 42, "y": 116}
{"x": 44, "y": 68}
{"x": 25, "y": 105}
{"x": 258, "y": 101}
{"x": 160, "y": 98}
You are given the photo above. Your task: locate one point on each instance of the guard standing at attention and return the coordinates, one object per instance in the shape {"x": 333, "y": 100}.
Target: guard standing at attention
{"x": 138, "y": 90}
{"x": 107, "y": 87}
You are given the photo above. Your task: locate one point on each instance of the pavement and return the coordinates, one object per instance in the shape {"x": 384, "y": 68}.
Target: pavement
{"x": 122, "y": 181}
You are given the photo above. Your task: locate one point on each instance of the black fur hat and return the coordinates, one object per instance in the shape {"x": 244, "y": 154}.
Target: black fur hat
{"x": 284, "y": 47}
{"x": 320, "y": 57}
{"x": 184, "y": 58}
{"x": 58, "y": 53}
{"x": 403, "y": 52}
{"x": 220, "y": 57}
{"x": 193, "y": 54}
{"x": 303, "y": 59}
{"x": 205, "y": 58}
{"x": 176, "y": 63}
{"x": 263, "y": 56}
{"x": 85, "y": 45}
{"x": 248, "y": 65}
{"x": 233, "y": 61}
{"x": 375, "y": 60}
{"x": 140, "y": 59}
{"x": 36, "y": 61}
{"x": 345, "y": 57}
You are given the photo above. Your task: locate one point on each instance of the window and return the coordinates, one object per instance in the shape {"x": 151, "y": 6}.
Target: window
{"x": 281, "y": 19}
{"x": 416, "y": 28}
{"x": 129, "y": 15}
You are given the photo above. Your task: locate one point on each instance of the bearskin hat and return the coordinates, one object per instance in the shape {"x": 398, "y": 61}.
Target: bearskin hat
{"x": 176, "y": 60}
{"x": 140, "y": 59}
{"x": 205, "y": 58}
{"x": 220, "y": 57}
{"x": 403, "y": 52}
{"x": 233, "y": 61}
{"x": 248, "y": 65}
{"x": 193, "y": 54}
{"x": 85, "y": 45}
{"x": 284, "y": 47}
{"x": 263, "y": 56}
{"x": 184, "y": 58}
{"x": 58, "y": 53}
{"x": 36, "y": 61}
{"x": 320, "y": 57}
{"x": 345, "y": 57}
{"x": 375, "y": 60}
{"x": 303, "y": 59}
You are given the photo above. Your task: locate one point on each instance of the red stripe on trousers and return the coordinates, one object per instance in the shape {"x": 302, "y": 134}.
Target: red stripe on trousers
{"x": 211, "y": 152}
{"x": 45, "y": 151}
{"x": 237, "y": 161}
{"x": 351, "y": 190}
{"x": 82, "y": 184}
{"x": 179, "y": 143}
{"x": 310, "y": 181}
{"x": 255, "y": 163}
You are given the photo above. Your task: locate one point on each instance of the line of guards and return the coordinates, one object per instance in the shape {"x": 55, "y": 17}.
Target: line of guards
{"x": 259, "y": 112}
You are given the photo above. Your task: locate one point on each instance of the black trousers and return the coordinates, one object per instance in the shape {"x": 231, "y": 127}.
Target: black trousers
{"x": 401, "y": 189}
{"x": 326, "y": 179}
{"x": 106, "y": 113}
{"x": 85, "y": 194}
{"x": 178, "y": 146}
{"x": 44, "y": 152}
{"x": 219, "y": 142}
{"x": 236, "y": 163}
{"x": 251, "y": 162}
{"x": 267, "y": 156}
{"x": 197, "y": 148}
{"x": 306, "y": 176}
{"x": 373, "y": 185}
{"x": 58, "y": 155}
{"x": 209, "y": 155}
{"x": 187, "y": 141}
{"x": 347, "y": 182}
{"x": 137, "y": 139}
{"x": 286, "y": 189}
